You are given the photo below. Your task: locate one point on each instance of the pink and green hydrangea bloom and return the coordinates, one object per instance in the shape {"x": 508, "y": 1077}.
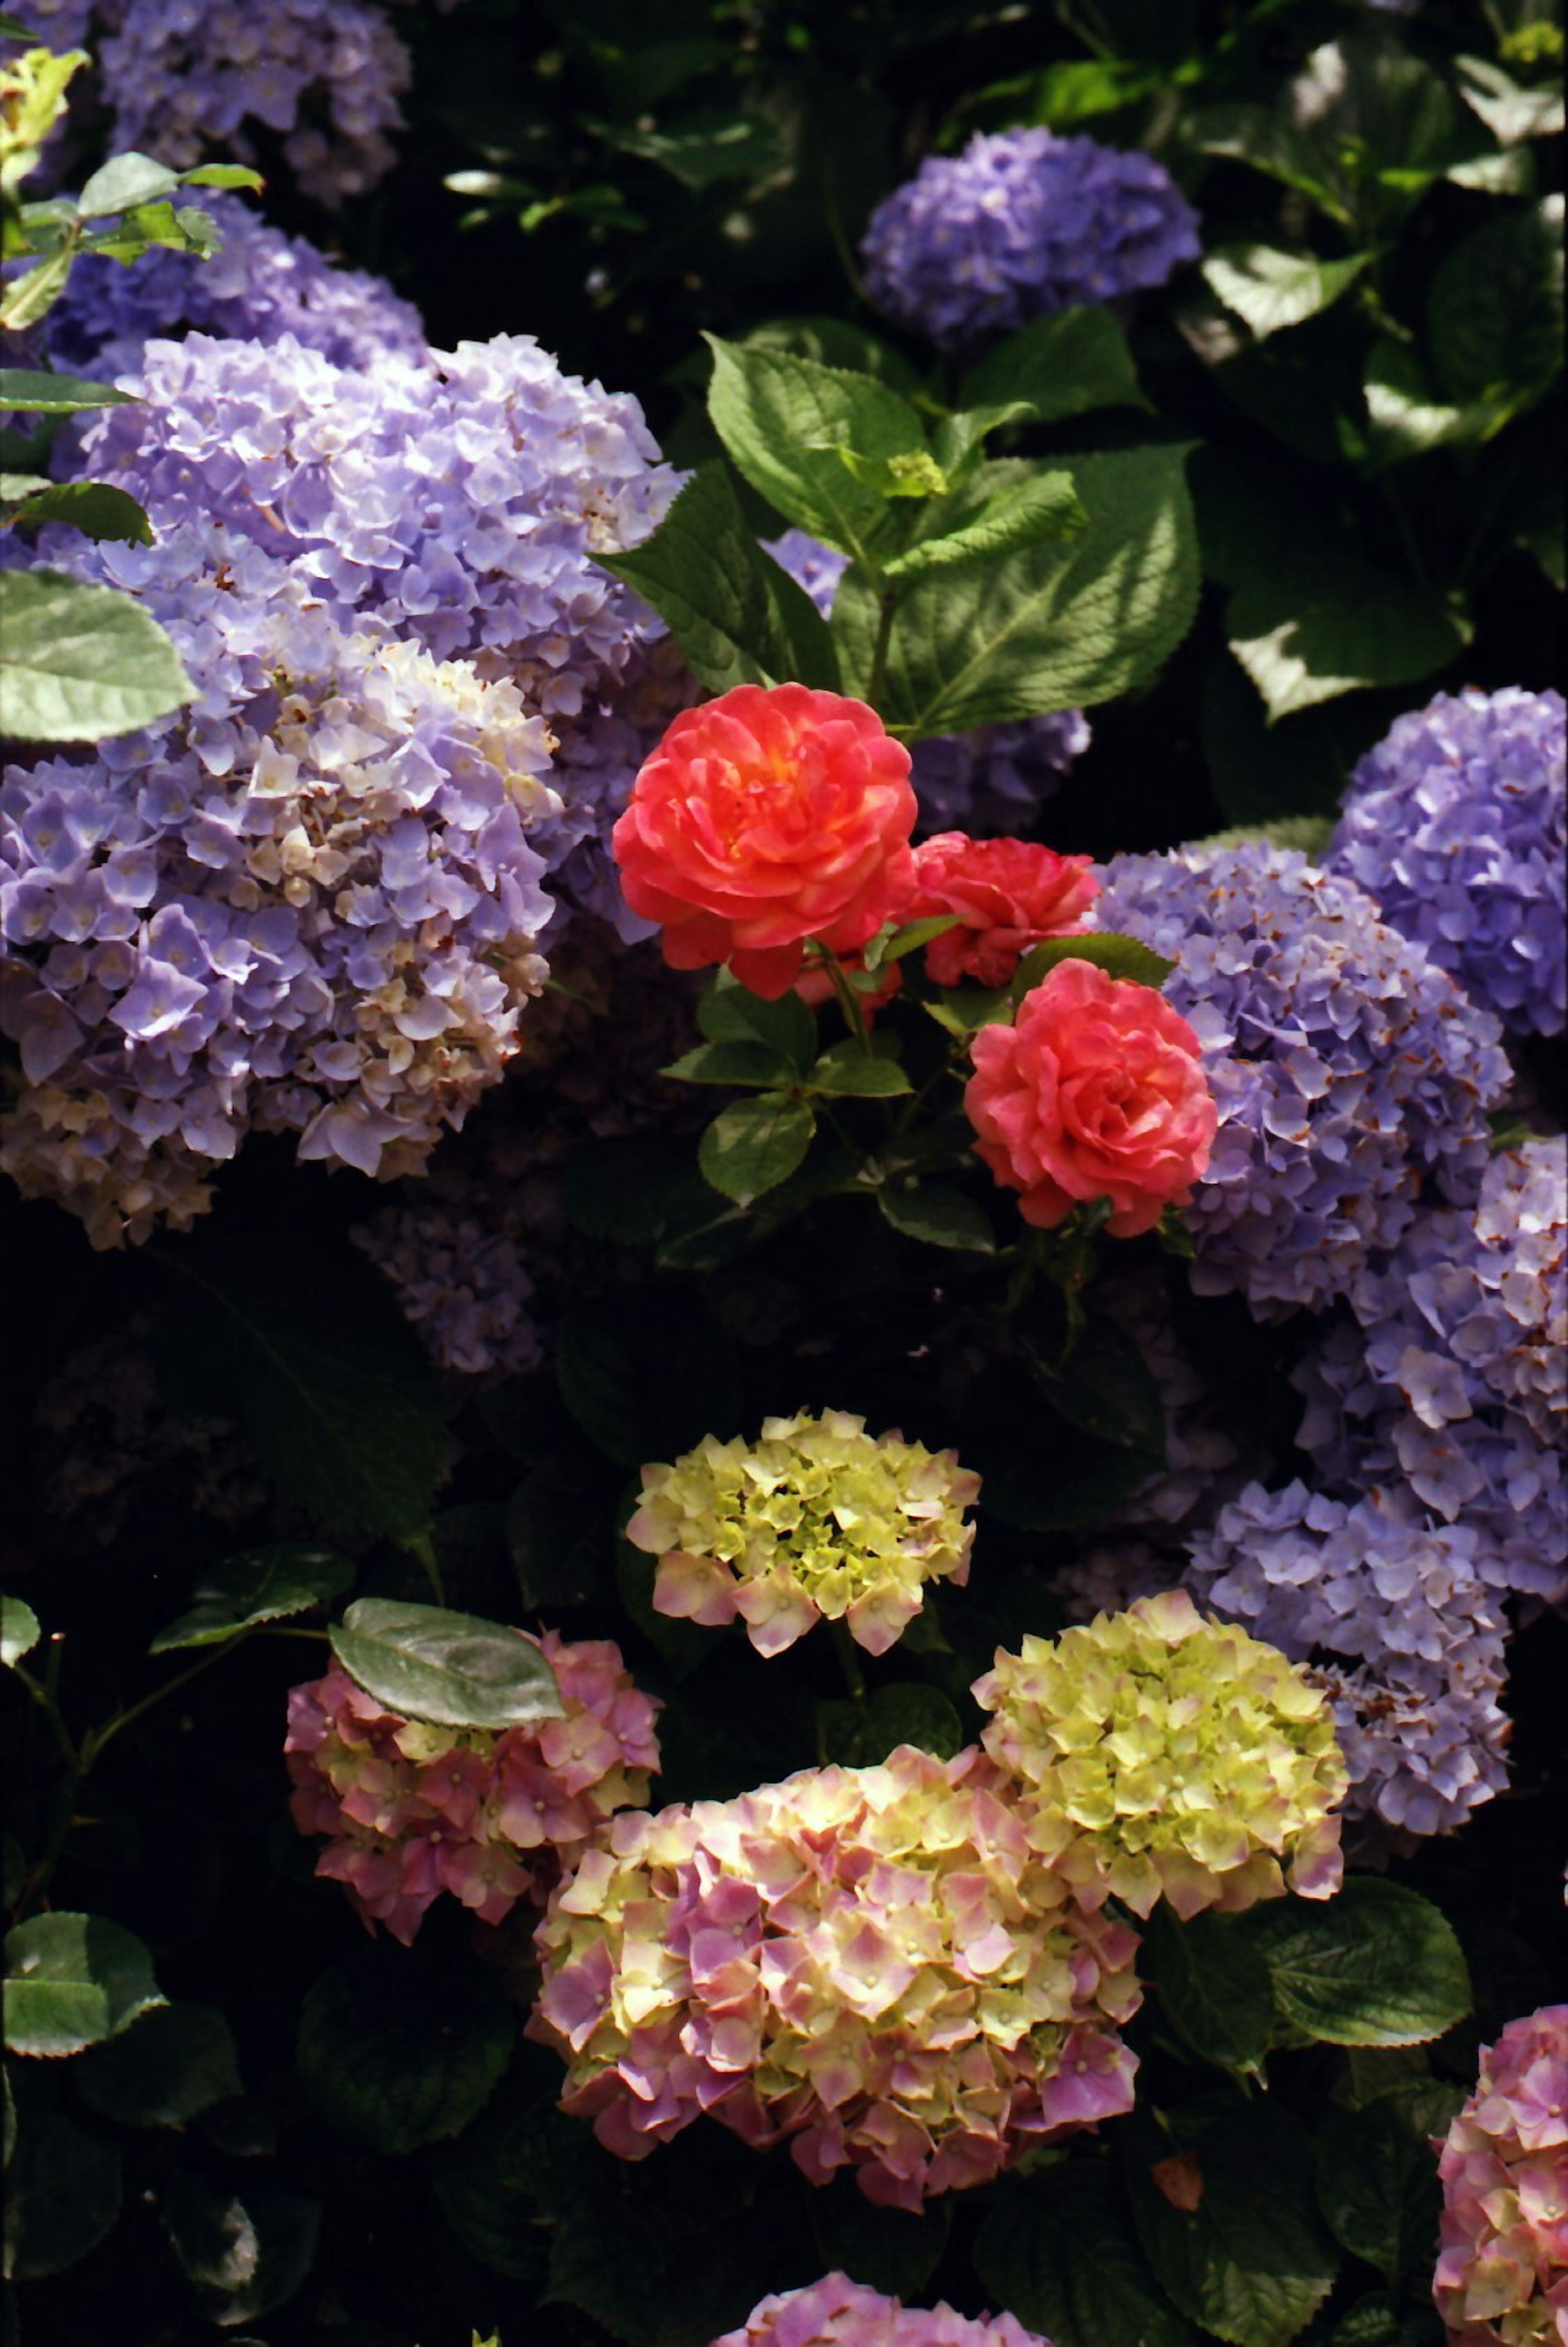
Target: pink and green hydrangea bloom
{"x": 1502, "y": 2273}
{"x": 839, "y": 2312}
{"x": 1160, "y": 1755}
{"x": 871, "y": 1964}
{"x": 818, "y": 1521}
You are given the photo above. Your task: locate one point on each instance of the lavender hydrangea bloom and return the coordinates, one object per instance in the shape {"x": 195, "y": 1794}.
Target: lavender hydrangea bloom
{"x": 839, "y": 2312}
{"x": 1457, "y": 823}
{"x": 1398, "y": 1627}
{"x": 994, "y": 780}
{"x": 1019, "y": 225}
{"x": 259, "y": 285}
{"x": 1346, "y": 1067}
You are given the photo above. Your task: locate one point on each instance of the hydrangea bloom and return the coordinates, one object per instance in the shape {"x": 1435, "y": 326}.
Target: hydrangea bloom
{"x": 1400, "y": 1629}
{"x": 839, "y": 2312}
{"x": 870, "y": 1963}
{"x": 1503, "y": 2274}
{"x": 491, "y": 1817}
{"x": 1202, "y": 1466}
{"x": 260, "y": 285}
{"x": 819, "y": 1520}
{"x": 1162, "y": 1756}
{"x": 308, "y": 903}
{"x": 1021, "y": 225}
{"x": 1457, "y": 823}
{"x": 1346, "y": 1066}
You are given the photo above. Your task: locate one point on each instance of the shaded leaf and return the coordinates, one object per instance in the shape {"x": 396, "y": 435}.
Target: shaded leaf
{"x": 1305, "y": 638}
{"x": 859, "y": 1734}
{"x": 19, "y": 1630}
{"x": 1494, "y": 313}
{"x": 1062, "y": 366}
{"x": 1214, "y": 1987}
{"x": 260, "y": 1584}
{"x": 1271, "y": 288}
{"x": 174, "y": 2062}
{"x": 730, "y": 1013}
{"x": 391, "y": 2058}
{"x": 846, "y": 1069}
{"x": 555, "y": 1536}
{"x": 245, "y": 2253}
{"x": 938, "y": 1215}
{"x": 738, "y": 1062}
{"x": 751, "y": 1148}
{"x": 644, "y": 1384}
{"x": 1377, "y": 2187}
{"x": 428, "y": 1663}
{"x": 62, "y": 2194}
{"x": 884, "y": 2249}
{"x": 96, "y": 508}
{"x": 72, "y": 1981}
{"x": 1060, "y": 2255}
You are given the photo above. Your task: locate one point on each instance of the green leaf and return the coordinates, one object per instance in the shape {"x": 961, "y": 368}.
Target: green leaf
{"x": 730, "y": 1012}
{"x": 750, "y": 1149}
{"x": 455, "y": 1669}
{"x": 62, "y": 2195}
{"x": 963, "y": 1010}
{"x": 1107, "y": 1389}
{"x": 1408, "y": 419}
{"x": 223, "y": 175}
{"x": 1035, "y": 511}
{"x": 1379, "y": 1966}
{"x": 71, "y": 1981}
{"x": 1272, "y": 289}
{"x": 81, "y": 663}
{"x": 19, "y": 1630}
{"x": 785, "y": 421}
{"x": 557, "y": 1536}
{"x": 124, "y": 181}
{"x": 1052, "y": 626}
{"x": 1380, "y": 2320}
{"x": 35, "y": 392}
{"x": 244, "y": 2252}
{"x": 1494, "y": 313}
{"x": 1062, "y": 366}
{"x": 643, "y": 1382}
{"x": 737, "y": 617}
{"x": 884, "y": 2249}
{"x": 1311, "y": 632}
{"x": 260, "y": 1584}
{"x": 938, "y": 1215}
{"x": 1378, "y": 2188}
{"x": 704, "y": 149}
{"x": 861, "y": 1734}
{"x": 893, "y": 946}
{"x": 96, "y": 508}
{"x": 495, "y": 2221}
{"x": 1059, "y": 2254}
{"x": 1119, "y": 956}
{"x": 33, "y": 293}
{"x": 846, "y": 1069}
{"x": 1214, "y": 1987}
{"x": 1251, "y": 2262}
{"x": 171, "y": 2064}
{"x": 1510, "y": 111}
{"x": 834, "y": 342}
{"x": 392, "y": 2058}
{"x": 738, "y": 1062}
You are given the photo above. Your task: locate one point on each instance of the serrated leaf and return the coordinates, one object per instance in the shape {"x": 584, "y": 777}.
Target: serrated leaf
{"x": 938, "y": 1215}
{"x": 1271, "y": 288}
{"x": 751, "y": 1148}
{"x": 861, "y": 1734}
{"x": 80, "y": 663}
{"x": 730, "y": 1013}
{"x": 391, "y": 2058}
{"x": 835, "y": 342}
{"x": 1063, "y": 365}
{"x": 739, "y": 618}
{"x": 72, "y": 1981}
{"x": 456, "y": 1670}
{"x": 1119, "y": 956}
{"x": 1377, "y": 2185}
{"x": 95, "y": 507}
{"x": 1305, "y": 637}
{"x": 702, "y": 149}
{"x": 845, "y": 1069}
{"x": 32, "y": 293}
{"x": 172, "y": 2062}
{"x": 887, "y": 2249}
{"x": 738, "y": 1062}
{"x": 1511, "y": 111}
{"x": 1214, "y": 1987}
{"x": 19, "y": 1630}
{"x": 62, "y": 2194}
{"x": 1039, "y": 510}
{"x": 243, "y": 2252}
{"x": 260, "y": 1584}
{"x": 963, "y": 1010}
{"x": 1060, "y": 2255}
{"x": 35, "y": 392}
{"x": 1379, "y": 1966}
{"x": 124, "y": 181}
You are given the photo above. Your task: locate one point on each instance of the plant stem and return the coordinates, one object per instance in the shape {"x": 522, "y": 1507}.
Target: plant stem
{"x": 874, "y": 682}
{"x": 848, "y": 1661}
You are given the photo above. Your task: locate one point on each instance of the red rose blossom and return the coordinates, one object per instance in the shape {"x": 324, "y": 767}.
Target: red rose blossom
{"x": 1096, "y": 1092}
{"x": 1009, "y": 894}
{"x": 764, "y": 818}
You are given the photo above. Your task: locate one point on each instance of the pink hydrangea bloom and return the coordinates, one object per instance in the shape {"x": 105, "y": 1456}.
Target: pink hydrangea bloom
{"x": 1503, "y": 2274}
{"x": 872, "y": 1963}
{"x": 839, "y": 2312}
{"x": 413, "y": 1810}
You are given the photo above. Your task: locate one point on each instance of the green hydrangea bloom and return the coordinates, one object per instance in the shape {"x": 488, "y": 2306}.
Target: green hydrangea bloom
{"x": 1162, "y": 1755}
{"x": 817, "y": 1520}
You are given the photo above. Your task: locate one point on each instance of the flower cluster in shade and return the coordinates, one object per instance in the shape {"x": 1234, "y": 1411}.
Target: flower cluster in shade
{"x": 1457, "y": 823}
{"x": 1455, "y": 1384}
{"x": 871, "y": 1964}
{"x": 1346, "y": 1067}
{"x": 413, "y": 1810}
{"x": 993, "y": 780}
{"x": 260, "y": 285}
{"x": 1164, "y": 1755}
{"x": 1021, "y": 225}
{"x": 839, "y": 2312}
{"x": 817, "y": 1520}
{"x": 1502, "y": 2270}
{"x": 1202, "y": 1466}
{"x": 1394, "y": 1620}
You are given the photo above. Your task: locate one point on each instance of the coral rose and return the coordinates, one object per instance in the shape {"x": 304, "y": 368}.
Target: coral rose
{"x": 1096, "y": 1092}
{"x": 1008, "y": 894}
{"x": 764, "y": 818}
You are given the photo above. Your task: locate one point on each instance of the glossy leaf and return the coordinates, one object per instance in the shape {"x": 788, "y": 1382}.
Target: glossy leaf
{"x": 19, "y": 1630}
{"x": 936, "y": 1214}
{"x": 260, "y": 1584}
{"x": 1270, "y": 288}
{"x": 62, "y": 2194}
{"x": 456, "y": 1670}
{"x": 751, "y": 1148}
{"x": 37, "y": 392}
{"x": 71, "y": 1981}
{"x": 787, "y": 421}
{"x": 81, "y": 663}
{"x": 245, "y": 2251}
{"x": 1379, "y": 1966}
{"x": 97, "y": 508}
{"x": 1067, "y": 365}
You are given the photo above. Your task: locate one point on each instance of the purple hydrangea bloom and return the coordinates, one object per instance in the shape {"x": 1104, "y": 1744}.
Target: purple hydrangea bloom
{"x": 1202, "y": 1465}
{"x": 1457, "y": 823}
{"x": 1346, "y": 1067}
{"x": 259, "y": 285}
{"x": 814, "y": 567}
{"x": 462, "y": 1280}
{"x": 1019, "y": 225}
{"x": 1396, "y": 1625}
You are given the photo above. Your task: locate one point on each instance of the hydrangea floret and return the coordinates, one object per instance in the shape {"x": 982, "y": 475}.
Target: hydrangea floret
{"x": 839, "y": 2312}
{"x": 413, "y": 1810}
{"x": 1502, "y": 2273}
{"x": 872, "y": 1963}
{"x": 817, "y": 1520}
{"x": 1159, "y": 1755}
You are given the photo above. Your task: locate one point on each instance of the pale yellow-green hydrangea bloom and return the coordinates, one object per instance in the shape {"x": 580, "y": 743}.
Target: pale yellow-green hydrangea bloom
{"x": 1161, "y": 1755}
{"x": 817, "y": 1519}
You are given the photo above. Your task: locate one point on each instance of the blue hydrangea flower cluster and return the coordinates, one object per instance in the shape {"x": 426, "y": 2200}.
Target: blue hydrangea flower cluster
{"x": 261, "y": 284}
{"x": 1399, "y": 1626}
{"x": 990, "y": 781}
{"x": 1021, "y": 225}
{"x": 1202, "y": 1466}
{"x": 1457, "y": 823}
{"x": 1346, "y": 1067}
{"x": 458, "y": 1264}
{"x": 308, "y": 903}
